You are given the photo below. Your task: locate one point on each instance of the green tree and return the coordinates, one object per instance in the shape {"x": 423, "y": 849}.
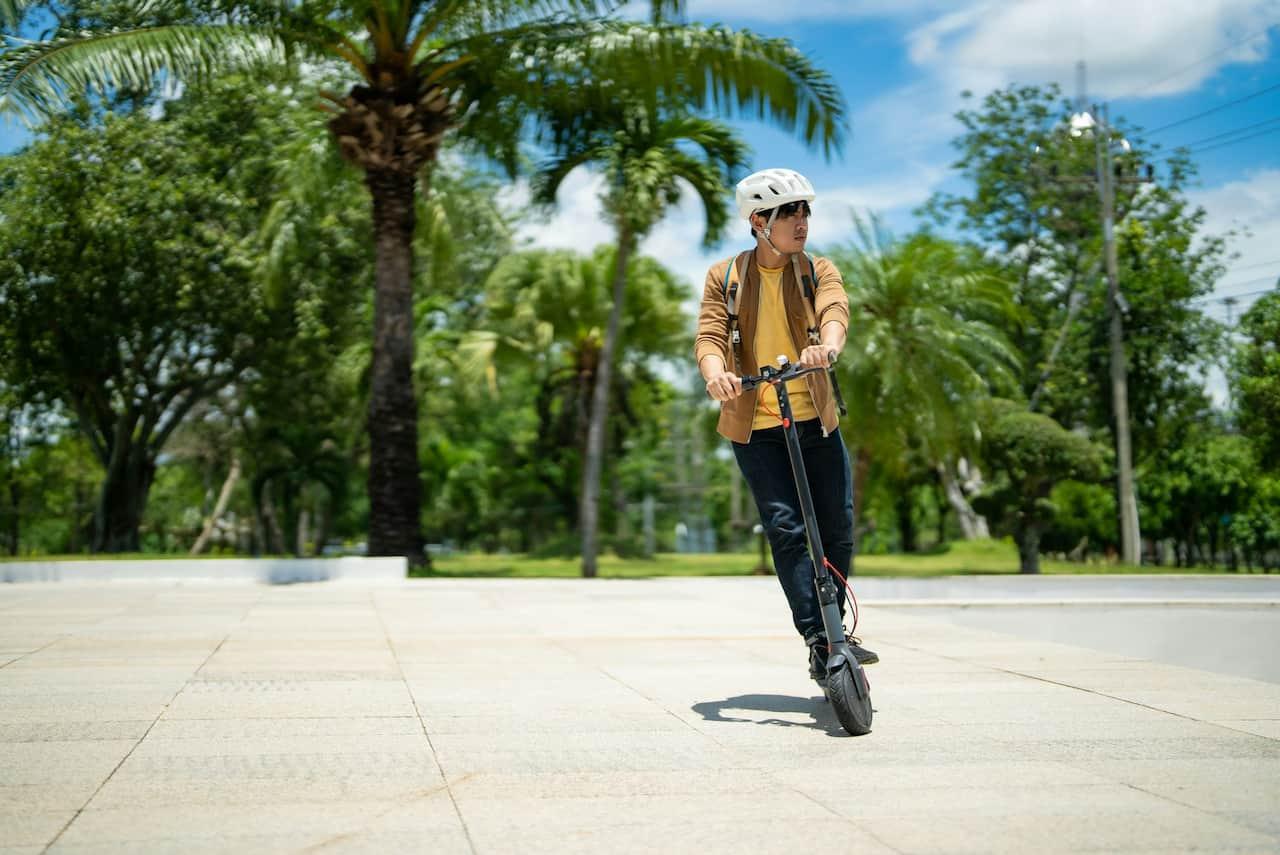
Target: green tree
{"x": 130, "y": 296}
{"x": 482, "y": 68}
{"x": 1256, "y": 377}
{"x": 1034, "y": 204}
{"x": 544, "y": 312}
{"x": 1206, "y": 480}
{"x": 1256, "y": 528}
{"x": 1030, "y": 453}
{"x": 925, "y": 348}
{"x": 645, "y": 157}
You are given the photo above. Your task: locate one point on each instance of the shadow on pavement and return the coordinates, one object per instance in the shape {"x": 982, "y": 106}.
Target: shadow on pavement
{"x": 816, "y": 707}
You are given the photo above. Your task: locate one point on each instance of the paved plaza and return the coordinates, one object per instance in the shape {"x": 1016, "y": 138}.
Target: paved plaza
{"x": 610, "y": 716}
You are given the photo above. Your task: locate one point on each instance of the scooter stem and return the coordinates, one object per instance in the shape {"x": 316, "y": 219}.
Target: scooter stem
{"x": 828, "y": 594}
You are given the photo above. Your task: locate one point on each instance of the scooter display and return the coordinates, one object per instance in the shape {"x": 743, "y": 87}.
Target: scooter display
{"x": 846, "y": 686}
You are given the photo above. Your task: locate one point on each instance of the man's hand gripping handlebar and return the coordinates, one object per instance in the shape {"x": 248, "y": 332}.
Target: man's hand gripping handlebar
{"x": 784, "y": 373}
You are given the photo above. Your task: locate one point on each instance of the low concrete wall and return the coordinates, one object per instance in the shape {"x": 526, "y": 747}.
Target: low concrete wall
{"x": 273, "y": 571}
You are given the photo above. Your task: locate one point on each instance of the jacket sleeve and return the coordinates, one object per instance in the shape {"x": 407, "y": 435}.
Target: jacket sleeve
{"x": 713, "y": 318}
{"x": 831, "y": 303}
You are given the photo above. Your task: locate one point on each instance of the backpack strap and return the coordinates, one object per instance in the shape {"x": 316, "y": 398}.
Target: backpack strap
{"x": 729, "y": 290}
{"x": 809, "y": 287}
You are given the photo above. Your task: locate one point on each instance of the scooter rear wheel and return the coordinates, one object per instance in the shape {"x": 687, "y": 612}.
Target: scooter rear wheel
{"x": 850, "y": 697}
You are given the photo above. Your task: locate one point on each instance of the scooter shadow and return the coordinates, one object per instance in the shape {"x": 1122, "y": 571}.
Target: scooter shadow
{"x": 824, "y": 718}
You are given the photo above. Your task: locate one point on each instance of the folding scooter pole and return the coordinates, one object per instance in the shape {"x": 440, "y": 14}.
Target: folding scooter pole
{"x": 828, "y": 594}
{"x": 847, "y": 690}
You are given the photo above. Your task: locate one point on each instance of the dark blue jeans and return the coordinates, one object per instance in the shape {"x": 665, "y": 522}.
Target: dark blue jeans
{"x": 765, "y": 465}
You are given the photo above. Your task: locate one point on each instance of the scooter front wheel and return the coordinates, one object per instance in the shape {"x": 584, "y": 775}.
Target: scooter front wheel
{"x": 850, "y": 696}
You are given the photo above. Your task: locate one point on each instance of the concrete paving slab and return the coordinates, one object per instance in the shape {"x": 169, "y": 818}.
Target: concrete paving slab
{"x": 1269, "y": 728}
{"x": 624, "y": 716}
{"x": 336, "y": 728}
{"x": 26, "y": 827}
{"x": 330, "y": 785}
{"x": 26, "y": 763}
{"x": 422, "y": 813}
{"x": 348, "y": 843}
{"x": 49, "y": 796}
{"x": 72, "y": 731}
{"x": 1165, "y": 829}
{"x": 287, "y": 699}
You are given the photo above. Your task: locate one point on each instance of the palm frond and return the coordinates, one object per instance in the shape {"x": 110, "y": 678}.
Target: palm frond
{"x": 12, "y": 12}
{"x": 36, "y": 79}
{"x": 734, "y": 72}
{"x": 453, "y": 20}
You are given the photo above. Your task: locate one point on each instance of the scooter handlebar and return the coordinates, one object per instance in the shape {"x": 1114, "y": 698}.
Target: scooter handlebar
{"x": 788, "y": 372}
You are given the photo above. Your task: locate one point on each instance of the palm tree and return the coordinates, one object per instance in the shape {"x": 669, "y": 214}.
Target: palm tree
{"x": 645, "y": 157}
{"x": 485, "y": 69}
{"x": 546, "y": 310}
{"x": 925, "y": 347}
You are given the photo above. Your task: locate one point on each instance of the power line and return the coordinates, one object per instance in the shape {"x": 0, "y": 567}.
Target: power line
{"x": 1230, "y": 133}
{"x": 1213, "y": 110}
{"x": 1240, "y": 296}
{"x": 1258, "y": 281}
{"x": 1198, "y": 62}
{"x": 1237, "y": 140}
{"x": 1255, "y": 266}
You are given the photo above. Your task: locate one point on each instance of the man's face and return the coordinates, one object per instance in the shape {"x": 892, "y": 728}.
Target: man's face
{"x": 790, "y": 227}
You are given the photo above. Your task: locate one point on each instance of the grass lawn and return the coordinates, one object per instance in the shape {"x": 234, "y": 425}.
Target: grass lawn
{"x": 962, "y": 558}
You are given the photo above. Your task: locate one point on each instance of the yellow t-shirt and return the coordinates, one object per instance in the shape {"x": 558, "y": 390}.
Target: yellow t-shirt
{"x": 774, "y": 338}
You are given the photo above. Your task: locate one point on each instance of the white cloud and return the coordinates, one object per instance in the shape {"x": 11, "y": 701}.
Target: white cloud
{"x": 1139, "y": 47}
{"x": 827, "y": 10}
{"x": 578, "y": 223}
{"x": 575, "y": 223}
{"x": 1250, "y": 205}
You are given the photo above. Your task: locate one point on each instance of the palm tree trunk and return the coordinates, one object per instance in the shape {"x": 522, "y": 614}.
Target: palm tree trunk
{"x": 395, "y": 492}
{"x": 589, "y": 513}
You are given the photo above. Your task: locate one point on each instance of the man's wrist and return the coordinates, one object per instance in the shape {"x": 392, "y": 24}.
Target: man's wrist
{"x": 711, "y": 366}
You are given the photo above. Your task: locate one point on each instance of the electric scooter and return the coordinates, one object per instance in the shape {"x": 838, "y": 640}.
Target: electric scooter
{"x": 846, "y": 686}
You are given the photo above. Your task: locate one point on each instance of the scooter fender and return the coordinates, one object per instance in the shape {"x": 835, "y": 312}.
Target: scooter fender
{"x": 836, "y": 661}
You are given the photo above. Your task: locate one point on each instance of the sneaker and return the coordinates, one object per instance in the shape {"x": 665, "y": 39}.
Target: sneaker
{"x": 862, "y": 654}
{"x": 818, "y": 656}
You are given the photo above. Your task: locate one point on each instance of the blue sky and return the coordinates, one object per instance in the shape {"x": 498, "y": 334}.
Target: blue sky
{"x": 902, "y": 64}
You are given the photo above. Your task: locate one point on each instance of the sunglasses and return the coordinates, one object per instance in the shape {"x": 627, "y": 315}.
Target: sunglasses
{"x": 789, "y": 210}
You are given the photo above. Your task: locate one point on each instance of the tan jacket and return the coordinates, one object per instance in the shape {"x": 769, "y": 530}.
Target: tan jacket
{"x": 831, "y": 304}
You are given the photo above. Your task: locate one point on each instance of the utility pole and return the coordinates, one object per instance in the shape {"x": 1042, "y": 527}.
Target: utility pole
{"x": 1130, "y": 537}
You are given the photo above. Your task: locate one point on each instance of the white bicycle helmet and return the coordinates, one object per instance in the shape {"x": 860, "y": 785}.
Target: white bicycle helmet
{"x": 770, "y": 188}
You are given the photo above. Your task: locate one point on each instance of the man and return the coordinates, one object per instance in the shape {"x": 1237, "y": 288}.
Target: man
{"x": 755, "y": 308}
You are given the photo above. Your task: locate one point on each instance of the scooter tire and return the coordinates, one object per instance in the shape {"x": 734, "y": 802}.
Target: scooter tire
{"x": 850, "y": 697}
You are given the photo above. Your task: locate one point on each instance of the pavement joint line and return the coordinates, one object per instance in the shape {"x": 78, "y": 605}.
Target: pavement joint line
{"x": 1132, "y": 702}
{"x": 1170, "y": 799}
{"x": 1084, "y": 689}
{"x": 435, "y": 757}
{"x": 150, "y": 727}
{"x": 34, "y": 652}
{"x": 67, "y": 635}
